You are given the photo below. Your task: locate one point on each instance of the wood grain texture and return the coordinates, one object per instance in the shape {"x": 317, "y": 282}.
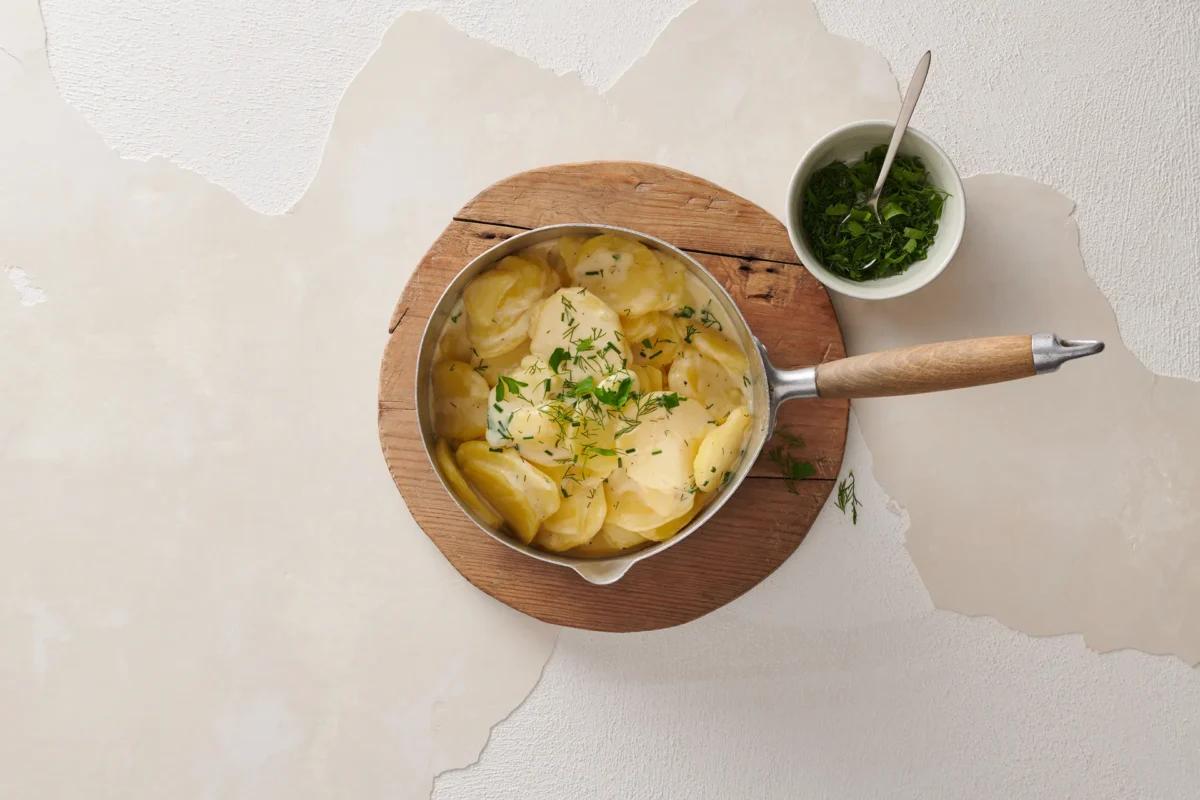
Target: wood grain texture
{"x": 787, "y": 309}
{"x": 928, "y": 368}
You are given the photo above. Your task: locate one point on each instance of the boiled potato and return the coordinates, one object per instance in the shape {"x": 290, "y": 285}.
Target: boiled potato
{"x": 565, "y": 254}
{"x": 721, "y": 449}
{"x": 537, "y": 438}
{"x": 522, "y": 494}
{"x": 504, "y": 364}
{"x": 454, "y": 477}
{"x": 593, "y": 446}
{"x": 532, "y": 383}
{"x": 454, "y": 345}
{"x": 579, "y": 517}
{"x": 675, "y": 286}
{"x": 649, "y": 379}
{"x": 658, "y": 453}
{"x": 636, "y": 507}
{"x": 611, "y": 540}
{"x": 707, "y": 383}
{"x": 460, "y": 401}
{"x": 579, "y": 323}
{"x": 497, "y": 304}
{"x": 653, "y": 339}
{"x": 625, "y": 274}
{"x": 719, "y": 348}
{"x": 669, "y": 529}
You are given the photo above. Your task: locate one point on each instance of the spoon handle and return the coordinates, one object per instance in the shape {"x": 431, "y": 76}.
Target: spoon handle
{"x": 906, "y": 111}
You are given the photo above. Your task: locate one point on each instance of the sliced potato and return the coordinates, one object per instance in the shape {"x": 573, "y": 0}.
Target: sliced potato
{"x": 675, "y": 284}
{"x": 594, "y": 447}
{"x": 706, "y": 382}
{"x": 656, "y": 342}
{"x": 537, "y": 438}
{"x": 567, "y": 252}
{"x": 532, "y": 383}
{"x": 579, "y": 517}
{"x": 659, "y": 452}
{"x": 497, "y": 303}
{"x": 649, "y": 379}
{"x": 504, "y": 364}
{"x": 458, "y": 484}
{"x": 581, "y": 324}
{"x": 609, "y": 541}
{"x": 454, "y": 344}
{"x": 669, "y": 529}
{"x": 635, "y": 507}
{"x": 720, "y": 348}
{"x": 522, "y": 494}
{"x": 721, "y": 449}
{"x": 460, "y": 397}
{"x": 625, "y": 274}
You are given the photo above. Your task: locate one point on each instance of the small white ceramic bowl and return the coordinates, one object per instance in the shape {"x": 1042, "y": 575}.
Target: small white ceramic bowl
{"x": 848, "y": 143}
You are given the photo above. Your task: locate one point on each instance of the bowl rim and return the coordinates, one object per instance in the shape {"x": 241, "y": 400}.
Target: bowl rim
{"x": 851, "y": 288}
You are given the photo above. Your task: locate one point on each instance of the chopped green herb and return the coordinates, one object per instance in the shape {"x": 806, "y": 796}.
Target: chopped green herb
{"x": 557, "y": 357}
{"x": 793, "y": 469}
{"x": 585, "y": 386}
{"x": 847, "y": 237}
{"x": 655, "y": 452}
{"x": 614, "y": 397}
{"x": 847, "y": 499}
{"x": 455, "y": 317}
{"x": 707, "y": 318}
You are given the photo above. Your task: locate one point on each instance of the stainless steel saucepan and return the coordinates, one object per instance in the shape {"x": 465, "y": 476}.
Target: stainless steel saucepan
{"x": 908, "y": 370}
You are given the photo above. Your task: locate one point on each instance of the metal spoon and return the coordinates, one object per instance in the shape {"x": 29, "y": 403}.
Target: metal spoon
{"x": 906, "y": 111}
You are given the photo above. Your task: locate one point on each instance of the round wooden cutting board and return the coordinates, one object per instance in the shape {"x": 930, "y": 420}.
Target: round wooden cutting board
{"x": 748, "y": 251}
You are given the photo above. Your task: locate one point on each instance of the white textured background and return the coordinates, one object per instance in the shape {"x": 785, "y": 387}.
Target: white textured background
{"x": 1090, "y": 96}
{"x": 1094, "y": 97}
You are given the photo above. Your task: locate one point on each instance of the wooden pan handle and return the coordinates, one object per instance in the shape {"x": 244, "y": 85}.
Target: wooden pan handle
{"x": 928, "y": 368}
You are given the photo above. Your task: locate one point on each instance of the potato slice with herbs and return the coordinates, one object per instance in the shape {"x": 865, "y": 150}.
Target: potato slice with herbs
{"x": 497, "y": 304}
{"x": 531, "y": 384}
{"x": 504, "y": 364}
{"x": 577, "y": 334}
{"x": 707, "y": 383}
{"x": 579, "y": 517}
{"x": 720, "y": 450}
{"x": 659, "y": 450}
{"x": 522, "y": 494}
{"x": 460, "y": 401}
{"x": 454, "y": 345}
{"x": 625, "y": 274}
{"x": 458, "y": 484}
{"x": 656, "y": 341}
